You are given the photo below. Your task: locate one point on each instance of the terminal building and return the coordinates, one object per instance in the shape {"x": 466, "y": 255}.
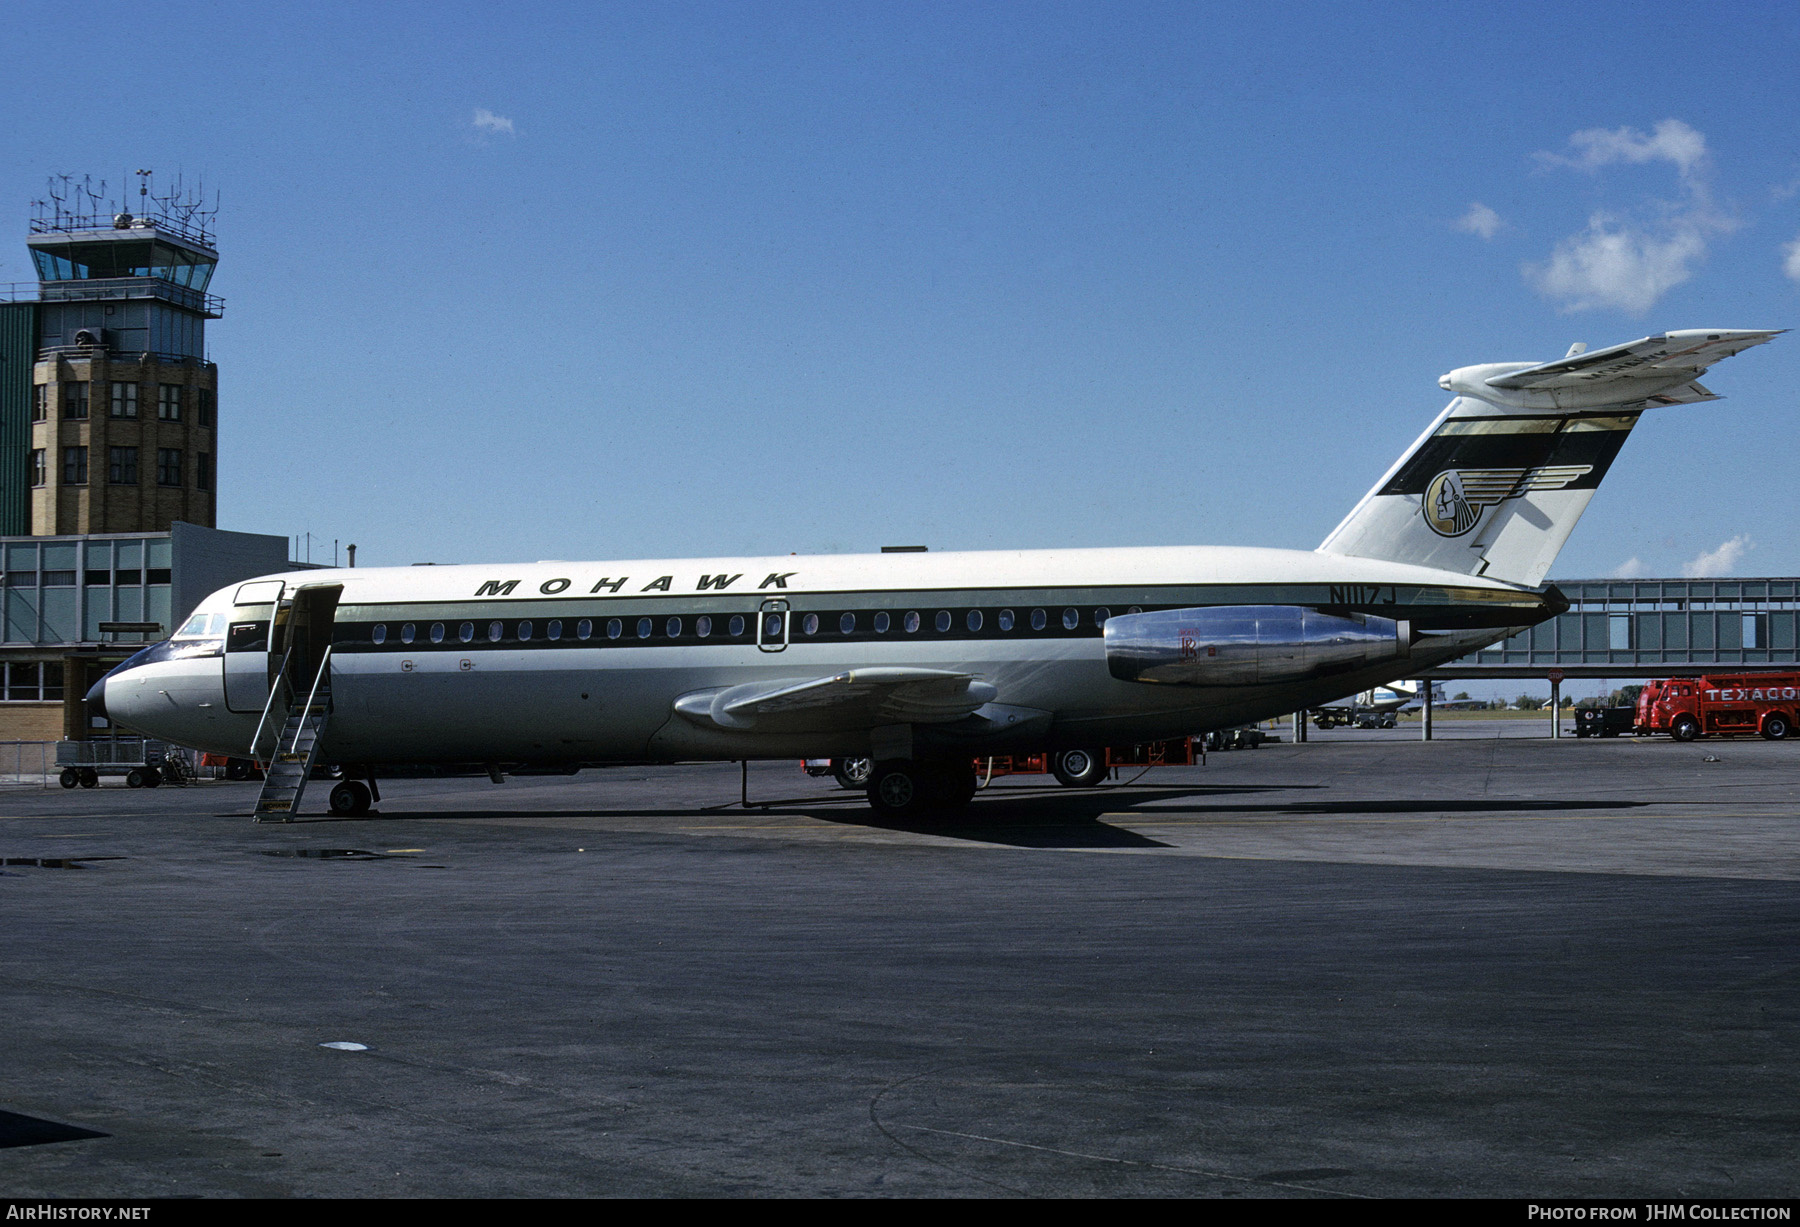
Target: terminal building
{"x": 109, "y": 450}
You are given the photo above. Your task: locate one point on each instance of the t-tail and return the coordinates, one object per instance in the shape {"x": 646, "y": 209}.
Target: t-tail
{"x": 1496, "y": 484}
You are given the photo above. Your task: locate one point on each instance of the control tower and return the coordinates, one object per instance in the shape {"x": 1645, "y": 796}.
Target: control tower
{"x": 124, "y": 404}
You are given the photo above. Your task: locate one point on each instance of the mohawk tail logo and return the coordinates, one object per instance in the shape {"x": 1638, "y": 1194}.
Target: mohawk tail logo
{"x": 1455, "y": 497}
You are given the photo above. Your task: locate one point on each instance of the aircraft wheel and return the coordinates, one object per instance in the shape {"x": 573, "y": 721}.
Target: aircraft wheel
{"x": 69, "y": 778}
{"x": 350, "y": 798}
{"x": 1685, "y": 729}
{"x": 90, "y": 778}
{"x": 853, "y": 772}
{"x": 1079, "y": 768}
{"x": 898, "y": 789}
{"x": 237, "y": 769}
{"x": 952, "y": 784}
{"x": 1775, "y": 728}
{"x": 134, "y": 778}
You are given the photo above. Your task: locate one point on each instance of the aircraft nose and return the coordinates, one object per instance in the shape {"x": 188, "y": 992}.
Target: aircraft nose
{"x": 96, "y": 699}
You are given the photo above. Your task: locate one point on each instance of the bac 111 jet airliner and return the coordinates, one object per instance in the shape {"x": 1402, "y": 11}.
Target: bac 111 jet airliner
{"x": 919, "y": 661}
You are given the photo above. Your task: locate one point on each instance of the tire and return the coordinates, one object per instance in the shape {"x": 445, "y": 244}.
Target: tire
{"x": 1776, "y": 727}
{"x": 1685, "y": 728}
{"x": 152, "y": 777}
{"x": 951, "y": 785}
{"x": 134, "y": 778}
{"x": 69, "y": 778}
{"x": 1079, "y": 768}
{"x": 350, "y": 798}
{"x": 237, "y": 769}
{"x": 853, "y": 773}
{"x": 898, "y": 789}
{"x": 90, "y": 778}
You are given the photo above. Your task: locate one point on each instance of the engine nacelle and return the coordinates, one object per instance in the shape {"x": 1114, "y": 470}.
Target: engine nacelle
{"x": 1248, "y": 645}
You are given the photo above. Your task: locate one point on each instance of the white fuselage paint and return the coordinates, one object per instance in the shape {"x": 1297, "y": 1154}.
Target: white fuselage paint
{"x": 613, "y": 700}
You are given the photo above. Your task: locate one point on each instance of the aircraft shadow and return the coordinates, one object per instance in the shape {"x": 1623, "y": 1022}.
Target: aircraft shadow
{"x": 19, "y": 1130}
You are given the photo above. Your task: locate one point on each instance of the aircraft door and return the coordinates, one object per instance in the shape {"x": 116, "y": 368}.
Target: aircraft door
{"x": 247, "y": 641}
{"x": 772, "y": 626}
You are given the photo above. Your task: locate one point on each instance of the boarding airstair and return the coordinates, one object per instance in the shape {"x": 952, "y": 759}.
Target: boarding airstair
{"x": 296, "y": 751}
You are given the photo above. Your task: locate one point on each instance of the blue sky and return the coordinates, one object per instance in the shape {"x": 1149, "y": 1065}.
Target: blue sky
{"x": 565, "y": 281}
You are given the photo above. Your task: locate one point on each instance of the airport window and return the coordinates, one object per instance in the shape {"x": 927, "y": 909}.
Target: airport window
{"x": 942, "y": 621}
{"x": 911, "y": 623}
{"x": 809, "y": 625}
{"x": 437, "y": 632}
{"x": 496, "y": 630}
{"x": 1101, "y": 615}
{"x": 74, "y": 466}
{"x": 379, "y": 634}
{"x": 203, "y": 470}
{"x": 168, "y": 466}
{"x": 1752, "y": 637}
{"x": 466, "y": 632}
{"x": 75, "y": 400}
{"x": 737, "y": 625}
{"x": 1618, "y": 632}
{"x": 203, "y": 408}
{"x": 614, "y": 628}
{"x": 168, "y": 402}
{"x": 847, "y": 624}
{"x": 644, "y": 627}
{"x": 703, "y": 626}
{"x": 121, "y": 466}
{"x": 407, "y": 632}
{"x": 124, "y": 400}
{"x": 553, "y": 630}
{"x": 1038, "y": 620}
{"x": 672, "y": 628}
{"x": 584, "y": 629}
{"x": 881, "y": 623}
{"x": 524, "y": 631}
{"x": 973, "y": 621}
{"x": 37, "y": 466}
{"x": 40, "y": 402}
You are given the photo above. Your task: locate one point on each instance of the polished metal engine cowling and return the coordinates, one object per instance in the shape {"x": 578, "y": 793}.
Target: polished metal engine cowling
{"x": 1247, "y": 645}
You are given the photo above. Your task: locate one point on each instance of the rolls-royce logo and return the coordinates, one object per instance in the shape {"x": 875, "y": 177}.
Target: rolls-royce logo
{"x": 1454, "y": 499}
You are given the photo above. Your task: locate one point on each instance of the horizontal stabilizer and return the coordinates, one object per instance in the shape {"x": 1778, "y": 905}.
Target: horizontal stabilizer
{"x": 862, "y": 698}
{"x": 1654, "y": 370}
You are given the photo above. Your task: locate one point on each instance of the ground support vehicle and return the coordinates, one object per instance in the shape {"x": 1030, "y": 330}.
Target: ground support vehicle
{"x": 143, "y": 762}
{"x": 1725, "y": 705}
{"x": 1604, "y": 721}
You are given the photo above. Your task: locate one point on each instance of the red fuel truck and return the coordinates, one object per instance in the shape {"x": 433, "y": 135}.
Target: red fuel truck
{"x": 1721, "y": 705}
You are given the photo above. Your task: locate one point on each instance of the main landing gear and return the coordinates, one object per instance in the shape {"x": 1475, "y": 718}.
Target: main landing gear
{"x": 904, "y": 787}
{"x": 352, "y": 797}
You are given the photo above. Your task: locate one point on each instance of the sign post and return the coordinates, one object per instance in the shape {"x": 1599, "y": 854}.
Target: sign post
{"x": 1556, "y": 677}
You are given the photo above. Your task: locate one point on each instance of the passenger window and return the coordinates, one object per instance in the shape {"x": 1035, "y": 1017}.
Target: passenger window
{"x": 737, "y": 625}
{"x": 772, "y": 628}
{"x": 466, "y": 632}
{"x": 847, "y": 624}
{"x": 614, "y": 628}
{"x": 407, "y": 632}
{"x": 882, "y": 623}
{"x": 1135, "y": 609}
{"x": 554, "y": 630}
{"x": 911, "y": 623}
{"x": 1071, "y": 619}
{"x": 809, "y": 625}
{"x": 1006, "y": 619}
{"x": 584, "y": 629}
{"x": 942, "y": 621}
{"x": 973, "y": 621}
{"x": 379, "y": 634}
{"x": 672, "y": 628}
{"x": 645, "y": 626}
{"x": 1101, "y": 615}
{"x": 496, "y": 631}
{"x": 703, "y": 626}
{"x": 1038, "y": 620}
{"x": 524, "y": 631}
{"x": 437, "y": 632}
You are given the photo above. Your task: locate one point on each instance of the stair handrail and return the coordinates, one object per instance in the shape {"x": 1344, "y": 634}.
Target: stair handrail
{"x": 306, "y": 711}
{"x": 280, "y": 679}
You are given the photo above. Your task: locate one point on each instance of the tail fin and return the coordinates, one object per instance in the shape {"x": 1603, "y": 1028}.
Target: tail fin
{"x": 1496, "y": 485}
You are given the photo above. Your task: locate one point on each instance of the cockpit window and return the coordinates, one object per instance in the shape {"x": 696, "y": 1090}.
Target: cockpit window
{"x": 194, "y": 626}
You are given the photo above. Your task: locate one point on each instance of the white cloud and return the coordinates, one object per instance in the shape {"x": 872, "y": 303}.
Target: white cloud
{"x": 1629, "y": 263}
{"x": 490, "y": 124}
{"x": 1480, "y": 220}
{"x": 1631, "y": 568}
{"x": 1719, "y": 561}
{"x": 1790, "y": 262}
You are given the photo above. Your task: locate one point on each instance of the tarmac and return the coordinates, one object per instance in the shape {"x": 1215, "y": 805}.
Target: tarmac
{"x": 1363, "y": 966}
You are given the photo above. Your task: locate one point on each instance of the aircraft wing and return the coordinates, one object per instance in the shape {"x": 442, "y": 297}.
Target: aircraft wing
{"x": 1653, "y": 360}
{"x": 861, "y": 698}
